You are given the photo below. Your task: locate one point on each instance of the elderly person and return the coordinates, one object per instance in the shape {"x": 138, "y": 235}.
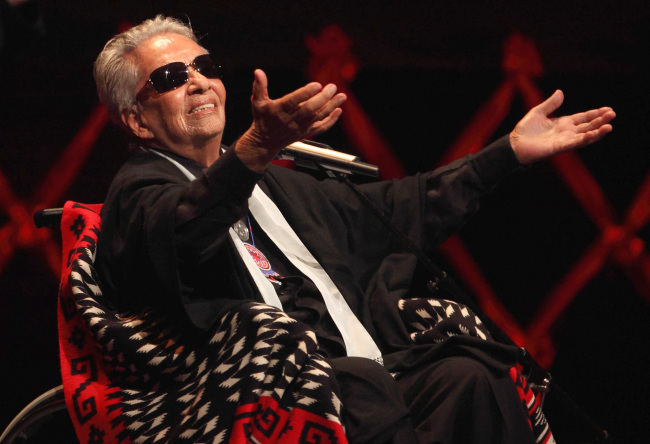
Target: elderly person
{"x": 193, "y": 229}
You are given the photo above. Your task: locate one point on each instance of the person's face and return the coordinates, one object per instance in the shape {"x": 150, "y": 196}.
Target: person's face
{"x": 187, "y": 117}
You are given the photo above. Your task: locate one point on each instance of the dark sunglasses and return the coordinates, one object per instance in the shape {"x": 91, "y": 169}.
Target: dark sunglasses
{"x": 175, "y": 74}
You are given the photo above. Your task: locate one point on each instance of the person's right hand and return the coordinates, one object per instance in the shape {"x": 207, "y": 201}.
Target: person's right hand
{"x": 301, "y": 114}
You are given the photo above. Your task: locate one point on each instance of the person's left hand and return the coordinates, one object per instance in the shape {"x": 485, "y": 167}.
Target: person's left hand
{"x": 538, "y": 136}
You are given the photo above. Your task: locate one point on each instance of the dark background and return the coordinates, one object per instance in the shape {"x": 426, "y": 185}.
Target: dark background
{"x": 426, "y": 67}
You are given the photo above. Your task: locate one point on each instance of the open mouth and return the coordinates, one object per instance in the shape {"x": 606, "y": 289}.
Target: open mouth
{"x": 201, "y": 108}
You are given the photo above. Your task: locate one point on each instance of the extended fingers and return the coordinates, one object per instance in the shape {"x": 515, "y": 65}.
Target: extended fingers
{"x": 322, "y": 104}
{"x": 321, "y": 111}
{"x": 598, "y": 132}
{"x": 583, "y": 139}
{"x": 326, "y": 123}
{"x": 594, "y": 119}
{"x": 317, "y": 107}
{"x": 314, "y": 103}
{"x": 301, "y": 95}
{"x": 593, "y": 114}
{"x": 589, "y": 132}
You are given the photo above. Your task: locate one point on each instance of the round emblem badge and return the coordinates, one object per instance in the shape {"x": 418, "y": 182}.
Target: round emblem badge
{"x": 258, "y": 257}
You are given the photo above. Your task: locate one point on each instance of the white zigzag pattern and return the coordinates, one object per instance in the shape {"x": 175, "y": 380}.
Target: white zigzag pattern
{"x": 267, "y": 359}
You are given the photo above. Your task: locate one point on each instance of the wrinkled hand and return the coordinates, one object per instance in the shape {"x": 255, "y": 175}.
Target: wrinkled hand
{"x": 301, "y": 114}
{"x": 538, "y": 136}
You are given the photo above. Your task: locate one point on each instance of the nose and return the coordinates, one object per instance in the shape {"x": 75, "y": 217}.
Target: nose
{"x": 197, "y": 82}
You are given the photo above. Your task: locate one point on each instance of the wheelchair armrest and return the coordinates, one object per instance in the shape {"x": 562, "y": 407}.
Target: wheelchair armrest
{"x": 48, "y": 217}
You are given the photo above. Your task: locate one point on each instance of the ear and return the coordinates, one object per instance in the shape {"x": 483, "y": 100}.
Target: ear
{"x": 132, "y": 119}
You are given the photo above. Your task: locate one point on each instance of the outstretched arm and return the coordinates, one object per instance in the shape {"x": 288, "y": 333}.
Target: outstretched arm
{"x": 303, "y": 113}
{"x": 538, "y": 136}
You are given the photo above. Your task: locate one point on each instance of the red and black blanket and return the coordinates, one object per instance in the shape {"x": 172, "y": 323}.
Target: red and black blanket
{"x": 257, "y": 377}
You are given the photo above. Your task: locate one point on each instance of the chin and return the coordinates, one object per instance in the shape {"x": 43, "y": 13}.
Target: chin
{"x": 203, "y": 137}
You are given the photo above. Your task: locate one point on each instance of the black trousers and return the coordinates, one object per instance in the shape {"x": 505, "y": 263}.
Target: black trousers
{"x": 454, "y": 400}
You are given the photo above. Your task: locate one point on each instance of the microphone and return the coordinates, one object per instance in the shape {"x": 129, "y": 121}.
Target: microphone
{"x": 309, "y": 154}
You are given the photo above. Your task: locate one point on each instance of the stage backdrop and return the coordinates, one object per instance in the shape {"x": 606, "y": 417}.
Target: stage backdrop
{"x": 558, "y": 255}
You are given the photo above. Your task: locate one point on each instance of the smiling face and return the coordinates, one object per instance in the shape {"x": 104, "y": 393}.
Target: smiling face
{"x": 188, "y": 120}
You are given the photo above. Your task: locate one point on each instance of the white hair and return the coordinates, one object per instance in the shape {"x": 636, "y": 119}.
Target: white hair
{"x": 116, "y": 74}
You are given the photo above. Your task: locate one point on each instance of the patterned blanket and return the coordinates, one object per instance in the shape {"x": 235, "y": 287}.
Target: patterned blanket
{"x": 257, "y": 376}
